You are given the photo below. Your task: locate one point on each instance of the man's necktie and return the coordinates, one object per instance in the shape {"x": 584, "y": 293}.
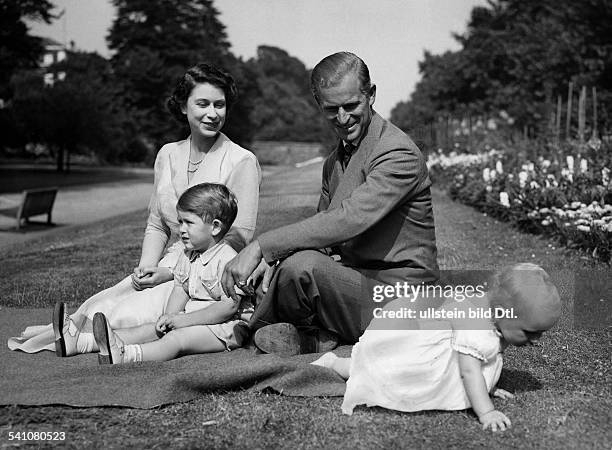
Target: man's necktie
{"x": 347, "y": 152}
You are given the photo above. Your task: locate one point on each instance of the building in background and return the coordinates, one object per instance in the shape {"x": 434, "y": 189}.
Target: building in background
{"x": 54, "y": 53}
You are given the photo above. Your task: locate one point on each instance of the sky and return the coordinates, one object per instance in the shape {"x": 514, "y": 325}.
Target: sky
{"x": 389, "y": 35}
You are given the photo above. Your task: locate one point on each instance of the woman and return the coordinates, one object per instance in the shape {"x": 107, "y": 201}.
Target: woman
{"x": 202, "y": 98}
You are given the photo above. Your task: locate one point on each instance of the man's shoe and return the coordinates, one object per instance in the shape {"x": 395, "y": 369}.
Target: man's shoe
{"x": 109, "y": 344}
{"x": 284, "y": 339}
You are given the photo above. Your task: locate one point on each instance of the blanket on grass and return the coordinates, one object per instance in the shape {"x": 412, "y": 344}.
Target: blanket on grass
{"x": 45, "y": 379}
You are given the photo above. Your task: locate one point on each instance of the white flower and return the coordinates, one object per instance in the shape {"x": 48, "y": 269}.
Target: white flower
{"x": 546, "y": 164}
{"x": 486, "y": 174}
{"x": 534, "y": 184}
{"x": 546, "y": 222}
{"x": 584, "y": 165}
{"x": 605, "y": 176}
{"x": 570, "y": 162}
{"x": 493, "y": 174}
{"x": 567, "y": 174}
{"x": 504, "y": 200}
{"x": 488, "y": 188}
{"x": 583, "y": 228}
{"x": 531, "y": 167}
{"x": 523, "y": 178}
{"x": 600, "y": 224}
{"x": 499, "y": 167}
{"x": 544, "y": 210}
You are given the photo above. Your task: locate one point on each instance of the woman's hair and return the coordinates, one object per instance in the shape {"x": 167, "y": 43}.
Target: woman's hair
{"x": 210, "y": 201}
{"x": 331, "y": 69}
{"x": 201, "y": 73}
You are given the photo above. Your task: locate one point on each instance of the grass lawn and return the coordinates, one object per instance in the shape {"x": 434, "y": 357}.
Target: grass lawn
{"x": 563, "y": 387}
{"x": 16, "y": 180}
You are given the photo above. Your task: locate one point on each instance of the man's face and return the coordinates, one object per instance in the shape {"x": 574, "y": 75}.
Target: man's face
{"x": 347, "y": 108}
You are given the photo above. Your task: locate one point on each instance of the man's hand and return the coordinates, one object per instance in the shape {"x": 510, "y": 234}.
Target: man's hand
{"x": 147, "y": 277}
{"x": 496, "y": 420}
{"x": 239, "y": 269}
{"x": 262, "y": 270}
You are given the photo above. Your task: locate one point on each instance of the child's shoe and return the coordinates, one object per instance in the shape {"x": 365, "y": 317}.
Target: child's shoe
{"x": 110, "y": 345}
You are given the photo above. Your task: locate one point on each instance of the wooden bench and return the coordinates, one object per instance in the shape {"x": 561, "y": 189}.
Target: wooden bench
{"x": 33, "y": 203}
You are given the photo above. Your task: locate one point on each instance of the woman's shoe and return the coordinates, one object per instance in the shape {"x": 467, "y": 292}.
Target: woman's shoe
{"x": 66, "y": 332}
{"x": 58, "y": 328}
{"x": 109, "y": 344}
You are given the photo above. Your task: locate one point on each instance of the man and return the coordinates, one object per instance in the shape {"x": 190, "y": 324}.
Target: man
{"x": 374, "y": 213}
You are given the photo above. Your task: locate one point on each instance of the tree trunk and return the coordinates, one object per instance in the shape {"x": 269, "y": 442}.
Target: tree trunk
{"x": 59, "y": 159}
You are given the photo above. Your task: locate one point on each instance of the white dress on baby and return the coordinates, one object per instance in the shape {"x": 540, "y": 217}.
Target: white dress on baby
{"x": 418, "y": 369}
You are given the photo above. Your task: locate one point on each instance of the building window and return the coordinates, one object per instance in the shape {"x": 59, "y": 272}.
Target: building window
{"x": 49, "y": 79}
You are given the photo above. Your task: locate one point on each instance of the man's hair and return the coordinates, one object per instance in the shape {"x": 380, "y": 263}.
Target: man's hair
{"x": 333, "y": 68}
{"x": 198, "y": 74}
{"x": 210, "y": 201}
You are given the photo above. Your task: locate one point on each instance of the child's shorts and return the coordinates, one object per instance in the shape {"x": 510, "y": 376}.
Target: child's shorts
{"x": 232, "y": 333}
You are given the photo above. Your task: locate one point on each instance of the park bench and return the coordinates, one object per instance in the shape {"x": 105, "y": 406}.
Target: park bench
{"x": 33, "y": 203}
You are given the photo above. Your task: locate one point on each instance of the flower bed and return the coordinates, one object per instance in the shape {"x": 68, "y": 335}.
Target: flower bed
{"x": 567, "y": 194}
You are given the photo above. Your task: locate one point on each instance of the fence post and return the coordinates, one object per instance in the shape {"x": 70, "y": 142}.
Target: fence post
{"x": 469, "y": 133}
{"x": 581, "y": 114}
{"x": 568, "y": 117}
{"x": 558, "y": 121}
{"x": 594, "y": 112}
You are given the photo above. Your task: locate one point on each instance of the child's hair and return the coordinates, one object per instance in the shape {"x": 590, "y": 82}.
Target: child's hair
{"x": 210, "y": 201}
{"x": 527, "y": 288}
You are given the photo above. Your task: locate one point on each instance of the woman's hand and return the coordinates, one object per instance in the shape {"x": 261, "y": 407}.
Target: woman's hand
{"x": 147, "y": 277}
{"x": 496, "y": 420}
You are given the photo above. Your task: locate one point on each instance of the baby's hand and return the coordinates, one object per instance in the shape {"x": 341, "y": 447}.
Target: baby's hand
{"x": 495, "y": 419}
{"x": 503, "y": 394}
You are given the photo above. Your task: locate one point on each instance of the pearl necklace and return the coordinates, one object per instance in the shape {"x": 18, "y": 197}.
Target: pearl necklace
{"x": 193, "y": 166}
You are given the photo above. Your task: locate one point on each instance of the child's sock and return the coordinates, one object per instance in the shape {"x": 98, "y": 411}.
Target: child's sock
{"x": 132, "y": 353}
{"x": 85, "y": 342}
{"x": 327, "y": 360}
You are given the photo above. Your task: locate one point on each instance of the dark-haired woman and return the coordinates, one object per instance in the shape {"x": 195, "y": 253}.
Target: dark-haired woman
{"x": 202, "y": 97}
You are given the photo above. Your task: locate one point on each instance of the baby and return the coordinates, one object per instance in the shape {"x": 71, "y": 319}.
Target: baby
{"x": 449, "y": 367}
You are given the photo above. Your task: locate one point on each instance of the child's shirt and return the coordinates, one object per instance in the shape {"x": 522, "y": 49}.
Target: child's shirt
{"x": 200, "y": 273}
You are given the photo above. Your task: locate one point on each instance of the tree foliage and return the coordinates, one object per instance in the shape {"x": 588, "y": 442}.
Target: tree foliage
{"x": 155, "y": 42}
{"x": 517, "y": 56}
{"x": 285, "y": 110}
{"x": 73, "y": 115}
{"x": 18, "y": 49}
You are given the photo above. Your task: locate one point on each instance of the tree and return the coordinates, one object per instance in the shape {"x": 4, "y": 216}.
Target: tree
{"x": 155, "y": 42}
{"x": 285, "y": 109}
{"x": 517, "y": 56}
{"x": 19, "y": 50}
{"x": 74, "y": 114}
